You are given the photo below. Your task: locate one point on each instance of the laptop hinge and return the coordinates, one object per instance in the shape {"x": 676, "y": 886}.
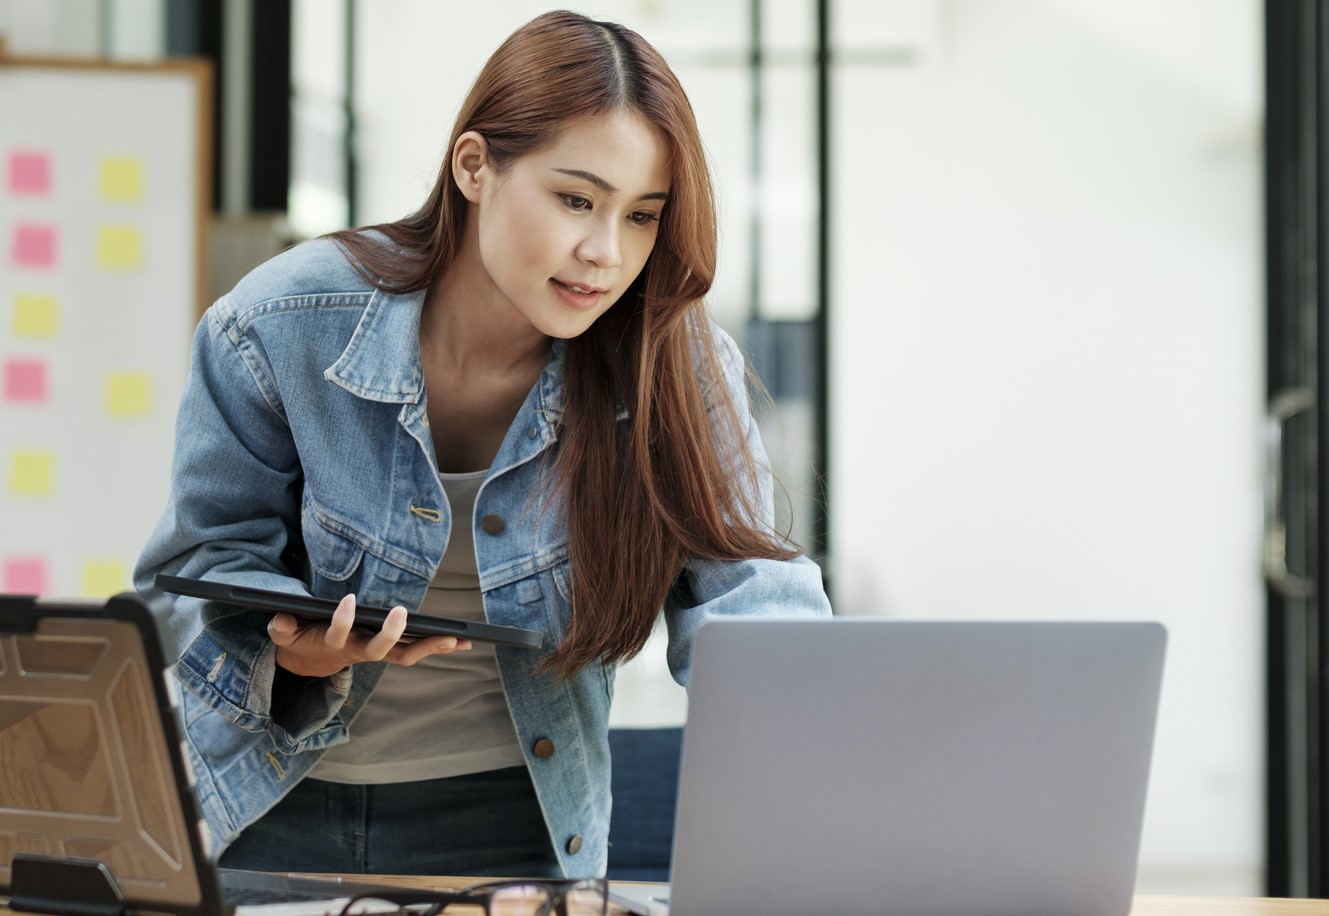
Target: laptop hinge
{"x": 69, "y": 887}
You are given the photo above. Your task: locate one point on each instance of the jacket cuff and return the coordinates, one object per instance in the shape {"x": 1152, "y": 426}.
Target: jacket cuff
{"x": 240, "y": 683}
{"x": 300, "y": 707}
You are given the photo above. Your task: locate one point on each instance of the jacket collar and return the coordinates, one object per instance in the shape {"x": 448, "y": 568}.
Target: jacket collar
{"x": 382, "y": 360}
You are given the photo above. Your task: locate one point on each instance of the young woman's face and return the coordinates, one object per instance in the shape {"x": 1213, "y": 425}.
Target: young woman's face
{"x": 566, "y": 229}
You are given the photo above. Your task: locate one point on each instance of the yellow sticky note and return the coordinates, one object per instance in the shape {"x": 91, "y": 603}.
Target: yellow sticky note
{"x": 119, "y": 247}
{"x": 103, "y": 578}
{"x": 31, "y": 473}
{"x": 121, "y": 178}
{"x": 36, "y": 316}
{"x": 128, "y": 394}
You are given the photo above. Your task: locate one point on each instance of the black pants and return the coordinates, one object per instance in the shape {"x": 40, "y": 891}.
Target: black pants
{"x": 479, "y": 824}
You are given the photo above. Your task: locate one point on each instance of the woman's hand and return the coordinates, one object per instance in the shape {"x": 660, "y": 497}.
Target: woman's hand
{"x": 322, "y": 649}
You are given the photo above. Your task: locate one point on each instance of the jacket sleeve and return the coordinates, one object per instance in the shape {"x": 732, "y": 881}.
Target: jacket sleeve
{"x": 233, "y": 509}
{"x": 713, "y": 588}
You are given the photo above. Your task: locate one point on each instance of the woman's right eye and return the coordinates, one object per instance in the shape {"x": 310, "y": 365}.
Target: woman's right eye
{"x": 575, "y": 202}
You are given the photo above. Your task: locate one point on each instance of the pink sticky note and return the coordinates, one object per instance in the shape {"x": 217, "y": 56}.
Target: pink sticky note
{"x": 26, "y": 576}
{"x": 25, "y": 381}
{"x": 34, "y": 246}
{"x": 29, "y": 172}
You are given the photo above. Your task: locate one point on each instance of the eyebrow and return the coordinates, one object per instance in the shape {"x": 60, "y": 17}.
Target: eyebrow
{"x": 606, "y": 186}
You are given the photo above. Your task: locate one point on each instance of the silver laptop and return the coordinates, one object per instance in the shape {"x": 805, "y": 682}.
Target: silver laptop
{"x": 870, "y": 766}
{"x": 97, "y": 812}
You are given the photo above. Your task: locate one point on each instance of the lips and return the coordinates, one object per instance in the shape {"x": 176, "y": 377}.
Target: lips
{"x": 580, "y": 287}
{"x": 577, "y": 295}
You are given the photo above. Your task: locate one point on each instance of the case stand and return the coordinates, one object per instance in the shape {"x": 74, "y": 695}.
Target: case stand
{"x": 78, "y": 887}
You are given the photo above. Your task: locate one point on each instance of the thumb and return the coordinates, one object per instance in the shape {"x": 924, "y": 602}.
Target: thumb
{"x": 281, "y": 629}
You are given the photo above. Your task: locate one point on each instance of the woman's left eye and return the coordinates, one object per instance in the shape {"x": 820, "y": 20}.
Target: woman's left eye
{"x": 644, "y": 218}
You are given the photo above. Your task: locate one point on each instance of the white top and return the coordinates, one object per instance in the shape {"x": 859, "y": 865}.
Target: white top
{"x": 446, "y": 715}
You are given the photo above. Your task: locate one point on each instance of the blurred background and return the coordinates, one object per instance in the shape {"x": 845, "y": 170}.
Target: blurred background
{"x": 1021, "y": 275}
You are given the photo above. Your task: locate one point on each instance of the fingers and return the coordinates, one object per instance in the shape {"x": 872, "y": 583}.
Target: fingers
{"x": 382, "y": 642}
{"x": 339, "y": 630}
{"x": 409, "y": 653}
{"x": 281, "y": 629}
{"x": 313, "y": 647}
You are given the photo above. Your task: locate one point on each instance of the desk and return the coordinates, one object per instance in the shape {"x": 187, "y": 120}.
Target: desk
{"x": 1145, "y": 904}
{"x": 1151, "y": 905}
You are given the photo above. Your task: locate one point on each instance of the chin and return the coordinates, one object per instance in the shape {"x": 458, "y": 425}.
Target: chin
{"x": 565, "y": 333}
{"x": 566, "y": 330}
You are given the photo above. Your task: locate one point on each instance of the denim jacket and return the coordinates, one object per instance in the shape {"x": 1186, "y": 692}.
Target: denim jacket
{"x": 304, "y": 463}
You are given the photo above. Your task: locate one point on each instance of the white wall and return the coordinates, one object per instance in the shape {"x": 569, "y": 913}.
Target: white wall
{"x": 64, "y": 27}
{"x": 118, "y": 29}
{"x": 1046, "y": 360}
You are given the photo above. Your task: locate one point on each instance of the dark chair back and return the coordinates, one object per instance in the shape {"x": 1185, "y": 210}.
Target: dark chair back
{"x": 645, "y": 787}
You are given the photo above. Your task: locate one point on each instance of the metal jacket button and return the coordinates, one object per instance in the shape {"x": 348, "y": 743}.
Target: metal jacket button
{"x": 543, "y": 748}
{"x": 574, "y": 845}
{"x": 491, "y": 523}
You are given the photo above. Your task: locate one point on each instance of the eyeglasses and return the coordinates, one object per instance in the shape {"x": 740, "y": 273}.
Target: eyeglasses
{"x": 581, "y": 897}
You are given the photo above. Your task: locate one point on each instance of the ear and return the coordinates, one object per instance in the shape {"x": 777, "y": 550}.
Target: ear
{"x": 470, "y": 157}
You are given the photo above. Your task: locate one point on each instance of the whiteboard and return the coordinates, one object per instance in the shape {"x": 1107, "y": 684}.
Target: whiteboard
{"x": 105, "y": 172}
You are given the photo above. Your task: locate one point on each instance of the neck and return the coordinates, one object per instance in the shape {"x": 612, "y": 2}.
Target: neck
{"x": 463, "y": 327}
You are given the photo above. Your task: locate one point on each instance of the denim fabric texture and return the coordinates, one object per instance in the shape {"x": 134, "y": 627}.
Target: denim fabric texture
{"x": 302, "y": 434}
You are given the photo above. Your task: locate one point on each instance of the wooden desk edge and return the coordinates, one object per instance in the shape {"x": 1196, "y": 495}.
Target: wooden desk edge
{"x": 1145, "y": 904}
{"x": 1169, "y": 905}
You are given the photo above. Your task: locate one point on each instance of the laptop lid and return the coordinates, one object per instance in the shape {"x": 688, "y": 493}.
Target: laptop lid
{"x": 861, "y": 766}
{"x": 97, "y": 810}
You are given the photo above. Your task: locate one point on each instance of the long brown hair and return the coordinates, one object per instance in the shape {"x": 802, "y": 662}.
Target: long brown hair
{"x": 682, "y": 482}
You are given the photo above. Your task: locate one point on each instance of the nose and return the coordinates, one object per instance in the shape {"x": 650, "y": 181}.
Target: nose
{"x": 602, "y": 246}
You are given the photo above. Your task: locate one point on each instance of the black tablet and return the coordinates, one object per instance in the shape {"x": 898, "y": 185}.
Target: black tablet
{"x": 305, "y": 607}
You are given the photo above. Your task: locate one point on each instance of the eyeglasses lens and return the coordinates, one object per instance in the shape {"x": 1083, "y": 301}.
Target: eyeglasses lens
{"x": 370, "y": 906}
{"x": 581, "y": 898}
{"x": 534, "y": 900}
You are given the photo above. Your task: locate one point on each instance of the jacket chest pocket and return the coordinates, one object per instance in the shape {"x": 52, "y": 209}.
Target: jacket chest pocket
{"x": 562, "y": 597}
{"x": 341, "y": 560}
{"x": 336, "y": 562}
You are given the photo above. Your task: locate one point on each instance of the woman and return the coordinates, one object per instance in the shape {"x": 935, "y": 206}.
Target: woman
{"x": 509, "y": 406}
